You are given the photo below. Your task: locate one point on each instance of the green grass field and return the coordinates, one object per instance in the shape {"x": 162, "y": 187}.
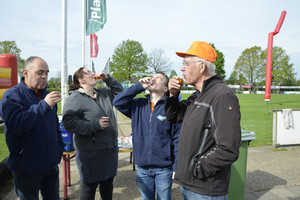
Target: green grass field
{"x": 255, "y": 117}
{"x": 3, "y": 147}
{"x": 254, "y": 112}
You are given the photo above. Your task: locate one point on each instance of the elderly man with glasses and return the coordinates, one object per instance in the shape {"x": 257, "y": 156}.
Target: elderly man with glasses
{"x": 211, "y": 134}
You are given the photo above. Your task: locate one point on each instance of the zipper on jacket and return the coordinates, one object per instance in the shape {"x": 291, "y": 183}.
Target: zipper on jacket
{"x": 150, "y": 121}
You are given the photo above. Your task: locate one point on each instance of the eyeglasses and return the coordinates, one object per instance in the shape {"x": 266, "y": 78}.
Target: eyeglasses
{"x": 88, "y": 72}
{"x": 186, "y": 64}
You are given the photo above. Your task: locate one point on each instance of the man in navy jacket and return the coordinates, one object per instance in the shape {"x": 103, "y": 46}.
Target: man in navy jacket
{"x": 32, "y": 133}
{"x": 154, "y": 139}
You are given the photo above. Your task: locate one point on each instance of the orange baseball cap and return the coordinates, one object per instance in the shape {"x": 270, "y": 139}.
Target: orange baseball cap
{"x": 202, "y": 50}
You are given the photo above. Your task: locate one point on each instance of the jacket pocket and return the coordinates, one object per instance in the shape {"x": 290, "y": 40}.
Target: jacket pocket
{"x": 161, "y": 149}
{"x": 195, "y": 161}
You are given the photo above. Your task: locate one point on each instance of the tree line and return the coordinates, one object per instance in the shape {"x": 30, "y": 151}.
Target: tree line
{"x": 251, "y": 68}
{"x": 130, "y": 62}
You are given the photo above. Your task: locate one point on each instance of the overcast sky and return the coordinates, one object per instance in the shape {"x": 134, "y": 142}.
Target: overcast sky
{"x": 171, "y": 25}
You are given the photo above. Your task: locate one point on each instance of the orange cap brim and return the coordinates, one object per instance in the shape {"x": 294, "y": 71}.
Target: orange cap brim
{"x": 182, "y": 54}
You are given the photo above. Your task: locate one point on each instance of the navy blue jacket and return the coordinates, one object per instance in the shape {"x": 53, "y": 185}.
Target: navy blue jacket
{"x": 155, "y": 140}
{"x": 31, "y": 130}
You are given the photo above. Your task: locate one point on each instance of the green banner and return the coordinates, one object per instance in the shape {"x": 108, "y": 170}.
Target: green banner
{"x": 95, "y": 16}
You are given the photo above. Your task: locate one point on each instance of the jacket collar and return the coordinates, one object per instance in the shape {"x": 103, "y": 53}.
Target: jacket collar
{"x": 82, "y": 91}
{"x": 211, "y": 81}
{"x": 148, "y": 97}
{"x": 24, "y": 86}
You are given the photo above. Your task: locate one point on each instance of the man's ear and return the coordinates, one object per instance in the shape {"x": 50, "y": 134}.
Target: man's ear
{"x": 165, "y": 89}
{"x": 25, "y": 72}
{"x": 202, "y": 67}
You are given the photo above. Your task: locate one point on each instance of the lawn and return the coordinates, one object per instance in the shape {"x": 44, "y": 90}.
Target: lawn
{"x": 254, "y": 112}
{"x": 256, "y": 117}
{"x": 3, "y": 147}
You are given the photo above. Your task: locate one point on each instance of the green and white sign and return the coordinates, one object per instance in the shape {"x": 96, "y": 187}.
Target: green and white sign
{"x": 95, "y": 16}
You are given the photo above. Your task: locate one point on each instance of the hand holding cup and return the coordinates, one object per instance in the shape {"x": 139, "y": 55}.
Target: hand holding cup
{"x": 104, "y": 122}
{"x": 175, "y": 85}
{"x": 52, "y": 98}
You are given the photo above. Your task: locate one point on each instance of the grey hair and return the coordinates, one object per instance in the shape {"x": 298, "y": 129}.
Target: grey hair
{"x": 29, "y": 62}
{"x": 211, "y": 67}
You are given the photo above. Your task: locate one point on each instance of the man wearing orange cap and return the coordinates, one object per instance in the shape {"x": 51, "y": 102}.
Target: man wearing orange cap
{"x": 210, "y": 136}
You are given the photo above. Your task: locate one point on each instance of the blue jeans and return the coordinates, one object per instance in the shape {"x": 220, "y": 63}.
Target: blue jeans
{"x": 189, "y": 195}
{"x": 27, "y": 186}
{"x": 150, "y": 179}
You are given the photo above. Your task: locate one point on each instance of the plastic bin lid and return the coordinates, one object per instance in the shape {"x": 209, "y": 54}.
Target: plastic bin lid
{"x": 247, "y": 135}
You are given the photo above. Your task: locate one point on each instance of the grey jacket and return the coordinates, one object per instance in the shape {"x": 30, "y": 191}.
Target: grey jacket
{"x": 81, "y": 114}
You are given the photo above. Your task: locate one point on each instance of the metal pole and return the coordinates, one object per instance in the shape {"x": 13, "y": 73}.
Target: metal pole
{"x": 64, "y": 66}
{"x": 83, "y": 32}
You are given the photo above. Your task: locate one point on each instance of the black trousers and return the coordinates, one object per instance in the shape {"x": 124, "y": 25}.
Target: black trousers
{"x": 88, "y": 191}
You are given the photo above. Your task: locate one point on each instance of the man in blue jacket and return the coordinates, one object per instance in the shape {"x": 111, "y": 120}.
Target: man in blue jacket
{"x": 154, "y": 139}
{"x": 32, "y": 133}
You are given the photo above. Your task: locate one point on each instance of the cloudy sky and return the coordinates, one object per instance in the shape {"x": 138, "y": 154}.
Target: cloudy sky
{"x": 171, "y": 25}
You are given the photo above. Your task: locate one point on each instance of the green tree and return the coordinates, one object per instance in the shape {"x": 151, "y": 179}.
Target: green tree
{"x": 11, "y": 47}
{"x": 158, "y": 61}
{"x": 57, "y": 82}
{"x": 54, "y": 82}
{"x": 51, "y": 83}
{"x": 282, "y": 71}
{"x": 233, "y": 79}
{"x": 173, "y": 73}
{"x": 129, "y": 61}
{"x": 236, "y": 79}
{"x": 220, "y": 62}
{"x": 250, "y": 64}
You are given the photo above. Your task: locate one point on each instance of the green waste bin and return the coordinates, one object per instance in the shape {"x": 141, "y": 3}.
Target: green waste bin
{"x": 238, "y": 169}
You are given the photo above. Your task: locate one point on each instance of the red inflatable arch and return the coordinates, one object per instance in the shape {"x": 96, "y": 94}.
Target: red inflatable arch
{"x": 8, "y": 72}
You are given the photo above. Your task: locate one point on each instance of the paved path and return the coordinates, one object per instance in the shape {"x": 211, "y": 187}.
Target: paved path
{"x": 272, "y": 174}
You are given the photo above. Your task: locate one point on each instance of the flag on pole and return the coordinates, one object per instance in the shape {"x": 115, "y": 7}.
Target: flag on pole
{"x": 95, "y": 16}
{"x": 93, "y": 45}
{"x": 106, "y": 69}
{"x": 93, "y": 67}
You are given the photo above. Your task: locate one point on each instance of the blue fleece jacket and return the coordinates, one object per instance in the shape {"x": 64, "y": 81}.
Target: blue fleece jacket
{"x": 154, "y": 139}
{"x": 31, "y": 130}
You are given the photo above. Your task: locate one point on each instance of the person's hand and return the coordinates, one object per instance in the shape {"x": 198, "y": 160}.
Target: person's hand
{"x": 173, "y": 175}
{"x": 174, "y": 86}
{"x": 102, "y": 76}
{"x": 52, "y": 98}
{"x": 145, "y": 82}
{"x": 104, "y": 122}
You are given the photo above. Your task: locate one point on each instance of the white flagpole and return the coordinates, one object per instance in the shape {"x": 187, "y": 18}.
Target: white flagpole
{"x": 83, "y": 32}
{"x": 64, "y": 66}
